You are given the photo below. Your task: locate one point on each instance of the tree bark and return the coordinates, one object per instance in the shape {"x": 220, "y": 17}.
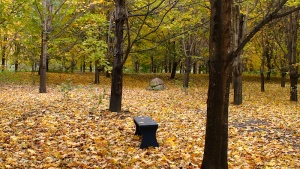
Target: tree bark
{"x": 262, "y": 77}
{"x": 3, "y": 58}
{"x": 117, "y": 72}
{"x": 216, "y": 138}
{"x": 237, "y": 80}
{"x": 16, "y": 66}
{"x": 97, "y": 72}
{"x": 187, "y": 71}
{"x": 174, "y": 68}
{"x": 292, "y": 53}
{"x": 220, "y": 68}
{"x": 239, "y": 26}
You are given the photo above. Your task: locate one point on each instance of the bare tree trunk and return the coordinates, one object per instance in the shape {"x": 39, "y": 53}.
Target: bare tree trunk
{"x": 3, "y": 54}
{"x": 97, "y": 73}
{"x": 220, "y": 68}
{"x": 187, "y": 72}
{"x": 174, "y": 68}
{"x": 262, "y": 77}
{"x": 216, "y": 138}
{"x": 292, "y": 53}
{"x": 16, "y": 66}
{"x": 117, "y": 72}
{"x": 239, "y": 29}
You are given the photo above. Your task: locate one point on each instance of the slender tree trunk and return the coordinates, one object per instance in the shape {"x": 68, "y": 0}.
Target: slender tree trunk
{"x": 42, "y": 69}
{"x": 152, "y": 65}
{"x": 3, "y": 58}
{"x": 117, "y": 72}
{"x": 216, "y": 138}
{"x": 83, "y": 66}
{"x": 136, "y": 66}
{"x": 97, "y": 73}
{"x": 16, "y": 66}
{"x": 187, "y": 72}
{"x": 174, "y": 68}
{"x": 262, "y": 77}
{"x": 283, "y": 75}
{"x": 91, "y": 67}
{"x": 45, "y": 37}
{"x": 237, "y": 73}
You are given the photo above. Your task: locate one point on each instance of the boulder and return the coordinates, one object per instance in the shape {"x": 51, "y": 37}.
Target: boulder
{"x": 156, "y": 84}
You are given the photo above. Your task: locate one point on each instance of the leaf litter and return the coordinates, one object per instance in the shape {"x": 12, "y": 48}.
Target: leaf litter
{"x": 58, "y": 130}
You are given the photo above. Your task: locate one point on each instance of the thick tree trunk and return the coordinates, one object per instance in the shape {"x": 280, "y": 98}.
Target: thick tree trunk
{"x": 292, "y": 53}
{"x": 216, "y": 138}
{"x": 117, "y": 72}
{"x": 239, "y": 29}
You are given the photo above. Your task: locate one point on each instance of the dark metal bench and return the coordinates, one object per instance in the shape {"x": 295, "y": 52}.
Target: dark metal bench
{"x": 146, "y": 128}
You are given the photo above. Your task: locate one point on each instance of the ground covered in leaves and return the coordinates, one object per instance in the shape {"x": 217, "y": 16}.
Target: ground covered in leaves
{"x": 70, "y": 126}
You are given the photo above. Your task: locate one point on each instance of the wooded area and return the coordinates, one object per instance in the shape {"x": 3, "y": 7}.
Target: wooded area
{"x": 223, "y": 39}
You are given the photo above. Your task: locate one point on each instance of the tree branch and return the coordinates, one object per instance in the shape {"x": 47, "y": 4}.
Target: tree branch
{"x": 265, "y": 21}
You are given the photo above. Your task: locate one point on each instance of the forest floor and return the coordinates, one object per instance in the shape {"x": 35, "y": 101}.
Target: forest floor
{"x": 70, "y": 126}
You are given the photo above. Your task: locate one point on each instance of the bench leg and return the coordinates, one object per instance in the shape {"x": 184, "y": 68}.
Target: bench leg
{"x": 149, "y": 137}
{"x": 137, "y": 130}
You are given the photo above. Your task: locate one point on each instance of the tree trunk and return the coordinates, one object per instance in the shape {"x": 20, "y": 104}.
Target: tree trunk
{"x": 97, "y": 73}
{"x": 174, "y": 68}
{"x": 83, "y": 66}
{"x": 3, "y": 58}
{"x": 292, "y": 53}
{"x": 136, "y": 66}
{"x": 283, "y": 77}
{"x": 239, "y": 28}
{"x": 117, "y": 72}
{"x": 195, "y": 68}
{"x": 262, "y": 78}
{"x": 91, "y": 67}
{"x": 187, "y": 72}
{"x": 16, "y": 66}
{"x": 237, "y": 80}
{"x": 42, "y": 69}
{"x": 47, "y": 63}
{"x": 216, "y": 138}
{"x": 45, "y": 37}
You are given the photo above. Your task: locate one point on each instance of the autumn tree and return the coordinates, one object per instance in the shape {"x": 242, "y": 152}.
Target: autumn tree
{"x": 56, "y": 17}
{"x": 123, "y": 12}
{"x": 292, "y": 53}
{"x": 220, "y": 64}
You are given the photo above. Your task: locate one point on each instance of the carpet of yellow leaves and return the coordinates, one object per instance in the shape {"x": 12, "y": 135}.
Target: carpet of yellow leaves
{"x": 74, "y": 129}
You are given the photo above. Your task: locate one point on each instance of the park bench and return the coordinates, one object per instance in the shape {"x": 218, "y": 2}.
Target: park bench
{"x": 146, "y": 128}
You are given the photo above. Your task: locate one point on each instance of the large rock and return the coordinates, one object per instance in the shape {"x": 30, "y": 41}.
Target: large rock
{"x": 156, "y": 84}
